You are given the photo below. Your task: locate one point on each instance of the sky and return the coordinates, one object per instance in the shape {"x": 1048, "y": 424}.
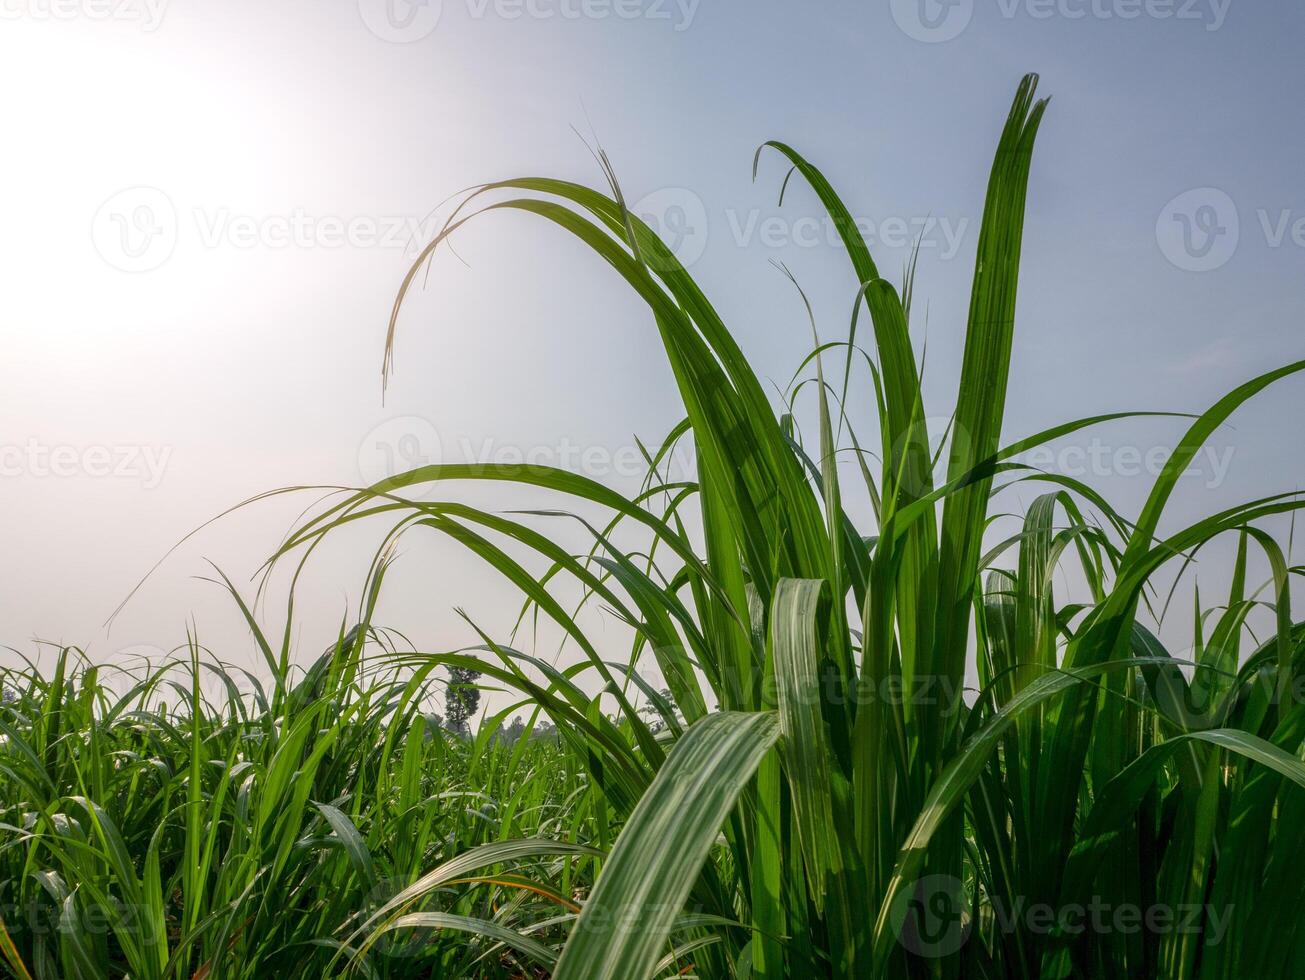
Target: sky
{"x": 209, "y": 208}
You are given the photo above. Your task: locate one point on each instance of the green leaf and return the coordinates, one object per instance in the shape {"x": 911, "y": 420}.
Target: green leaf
{"x": 623, "y": 930}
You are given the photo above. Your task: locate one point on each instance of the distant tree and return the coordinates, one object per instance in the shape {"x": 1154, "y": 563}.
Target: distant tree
{"x": 434, "y": 721}
{"x": 544, "y": 731}
{"x": 655, "y": 721}
{"x": 461, "y": 698}
{"x": 509, "y": 734}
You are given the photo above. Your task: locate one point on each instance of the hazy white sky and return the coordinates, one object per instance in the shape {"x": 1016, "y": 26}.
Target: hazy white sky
{"x": 208, "y": 208}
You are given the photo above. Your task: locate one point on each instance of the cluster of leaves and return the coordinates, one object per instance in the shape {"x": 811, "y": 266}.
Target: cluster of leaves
{"x": 813, "y": 782}
{"x": 183, "y": 821}
{"x": 804, "y": 791}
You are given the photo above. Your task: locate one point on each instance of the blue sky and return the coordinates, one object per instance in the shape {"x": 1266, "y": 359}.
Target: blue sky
{"x": 207, "y": 207}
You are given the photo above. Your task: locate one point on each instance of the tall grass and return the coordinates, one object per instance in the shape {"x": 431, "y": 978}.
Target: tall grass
{"x": 149, "y": 830}
{"x": 814, "y": 797}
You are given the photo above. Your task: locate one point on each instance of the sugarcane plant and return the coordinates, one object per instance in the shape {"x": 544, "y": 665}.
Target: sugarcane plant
{"x": 862, "y": 727}
{"x": 823, "y": 800}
